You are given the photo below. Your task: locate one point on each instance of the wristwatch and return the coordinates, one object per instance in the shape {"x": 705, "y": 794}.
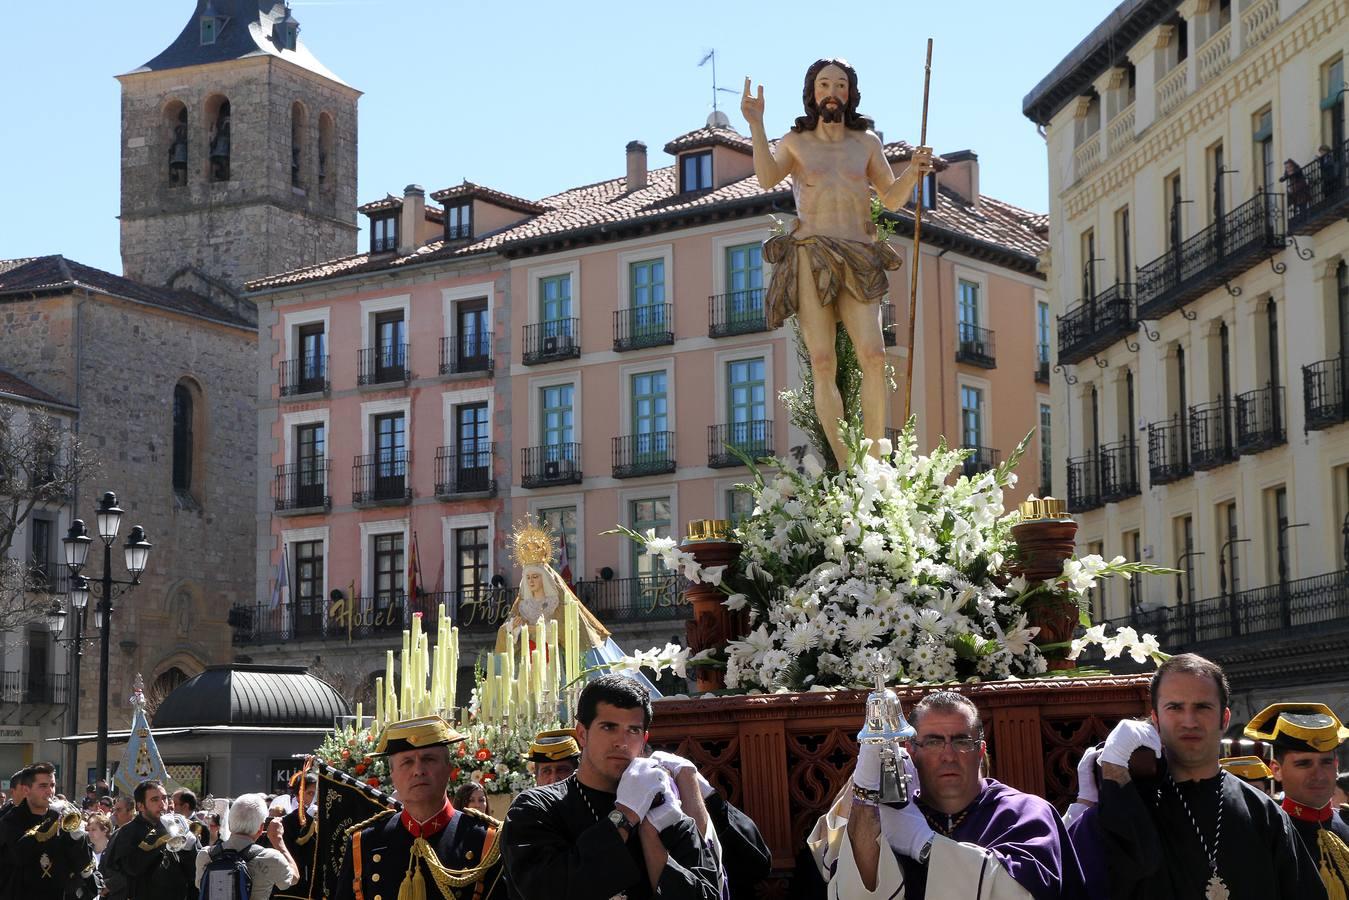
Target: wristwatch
{"x": 926, "y": 849}
{"x": 618, "y": 820}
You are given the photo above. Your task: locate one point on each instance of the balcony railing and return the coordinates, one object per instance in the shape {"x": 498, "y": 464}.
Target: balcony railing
{"x": 980, "y": 460}
{"x": 1319, "y": 194}
{"x": 1120, "y": 131}
{"x": 466, "y": 354}
{"x": 975, "y": 346}
{"x": 1251, "y": 233}
{"x": 1084, "y": 483}
{"x": 49, "y": 577}
{"x": 889, "y": 330}
{"x": 636, "y": 455}
{"x": 1168, "y": 459}
{"x": 1258, "y": 21}
{"x": 639, "y": 599}
{"x": 551, "y": 341}
{"x": 1087, "y": 156}
{"x": 306, "y": 375}
{"x": 1211, "y": 444}
{"x": 737, "y": 312}
{"x": 1042, "y": 366}
{"x": 1298, "y": 606}
{"x": 643, "y": 326}
{"x": 550, "y": 464}
{"x": 32, "y": 689}
{"x": 1171, "y": 89}
{"x": 1215, "y": 54}
{"x": 1260, "y": 419}
{"x": 1324, "y": 392}
{"x": 381, "y": 478}
{"x": 753, "y": 439}
{"x": 1119, "y": 471}
{"x": 1096, "y": 323}
{"x": 385, "y": 364}
{"x": 466, "y": 469}
{"x": 303, "y": 487}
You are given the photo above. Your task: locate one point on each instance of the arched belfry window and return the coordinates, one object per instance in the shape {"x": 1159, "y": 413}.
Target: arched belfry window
{"x": 218, "y": 152}
{"x": 175, "y": 128}
{"x": 297, "y": 141}
{"x": 325, "y": 160}
{"x": 184, "y": 415}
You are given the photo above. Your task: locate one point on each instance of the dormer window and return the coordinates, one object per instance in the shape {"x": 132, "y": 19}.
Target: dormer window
{"x": 209, "y": 28}
{"x": 695, "y": 172}
{"x": 383, "y": 233}
{"x": 929, "y": 188}
{"x": 459, "y": 222}
{"x": 286, "y": 33}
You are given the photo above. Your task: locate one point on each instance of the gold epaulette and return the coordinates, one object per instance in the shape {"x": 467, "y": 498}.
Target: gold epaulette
{"x": 373, "y": 820}
{"x": 478, "y": 814}
{"x": 307, "y": 834}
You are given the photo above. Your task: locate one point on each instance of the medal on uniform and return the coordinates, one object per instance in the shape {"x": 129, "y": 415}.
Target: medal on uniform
{"x": 1216, "y": 889}
{"x": 45, "y": 862}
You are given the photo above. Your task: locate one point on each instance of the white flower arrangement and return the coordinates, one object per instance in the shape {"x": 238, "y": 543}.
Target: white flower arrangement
{"x": 889, "y": 559}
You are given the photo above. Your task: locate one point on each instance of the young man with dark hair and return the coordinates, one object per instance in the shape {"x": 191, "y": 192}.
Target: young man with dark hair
{"x": 1192, "y": 830}
{"x": 154, "y": 856}
{"x": 962, "y": 835}
{"x": 1305, "y": 737}
{"x": 615, "y": 827}
{"x": 41, "y": 857}
{"x": 18, "y": 790}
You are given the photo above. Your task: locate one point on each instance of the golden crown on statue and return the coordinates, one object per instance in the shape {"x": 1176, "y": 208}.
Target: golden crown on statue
{"x": 532, "y": 543}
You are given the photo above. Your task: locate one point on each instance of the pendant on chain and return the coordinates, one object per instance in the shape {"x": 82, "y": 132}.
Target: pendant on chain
{"x": 1216, "y": 889}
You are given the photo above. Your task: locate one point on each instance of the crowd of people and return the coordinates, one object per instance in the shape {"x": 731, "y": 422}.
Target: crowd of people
{"x": 1159, "y": 814}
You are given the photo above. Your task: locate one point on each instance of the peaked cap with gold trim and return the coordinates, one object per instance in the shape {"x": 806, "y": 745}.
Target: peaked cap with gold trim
{"x": 554, "y": 745}
{"x": 414, "y": 734}
{"x": 1301, "y": 727}
{"x": 1247, "y": 768}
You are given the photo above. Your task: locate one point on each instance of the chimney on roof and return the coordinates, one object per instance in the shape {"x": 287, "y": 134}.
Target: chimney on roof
{"x": 962, "y": 175}
{"x": 636, "y": 166}
{"x": 411, "y": 218}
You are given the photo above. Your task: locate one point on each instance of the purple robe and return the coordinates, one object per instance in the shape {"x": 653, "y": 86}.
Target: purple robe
{"x": 1085, "y": 833}
{"x": 1023, "y": 833}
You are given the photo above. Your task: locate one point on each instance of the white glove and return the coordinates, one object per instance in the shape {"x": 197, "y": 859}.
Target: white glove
{"x": 905, "y": 829}
{"x": 1128, "y": 736}
{"x": 641, "y": 782}
{"x": 676, "y": 764}
{"x": 867, "y": 773}
{"x": 1086, "y": 776}
{"x": 665, "y": 809}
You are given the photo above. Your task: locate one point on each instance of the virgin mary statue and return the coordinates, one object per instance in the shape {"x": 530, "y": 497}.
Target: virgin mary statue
{"x": 544, "y": 596}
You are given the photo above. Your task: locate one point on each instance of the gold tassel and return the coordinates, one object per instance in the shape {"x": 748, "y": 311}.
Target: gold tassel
{"x": 413, "y": 886}
{"x": 1334, "y": 864}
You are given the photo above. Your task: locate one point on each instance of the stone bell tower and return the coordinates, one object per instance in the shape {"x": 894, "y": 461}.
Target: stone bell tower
{"x": 238, "y": 153}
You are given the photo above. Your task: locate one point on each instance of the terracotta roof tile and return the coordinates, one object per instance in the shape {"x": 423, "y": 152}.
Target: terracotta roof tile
{"x": 54, "y": 274}
{"x": 469, "y": 191}
{"x": 15, "y": 386}
{"x": 709, "y": 136}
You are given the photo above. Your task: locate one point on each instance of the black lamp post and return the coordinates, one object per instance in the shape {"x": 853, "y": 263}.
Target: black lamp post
{"x": 56, "y": 616}
{"x": 1183, "y": 581}
{"x": 77, "y": 541}
{"x": 1222, "y": 582}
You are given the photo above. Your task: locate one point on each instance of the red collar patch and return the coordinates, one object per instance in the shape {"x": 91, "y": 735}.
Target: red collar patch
{"x": 433, "y": 825}
{"x": 1305, "y": 813}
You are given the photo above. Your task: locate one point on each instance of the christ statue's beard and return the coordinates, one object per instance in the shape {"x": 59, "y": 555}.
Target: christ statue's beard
{"x": 831, "y": 111}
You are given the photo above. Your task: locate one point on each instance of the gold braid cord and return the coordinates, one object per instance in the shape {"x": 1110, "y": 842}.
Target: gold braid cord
{"x": 448, "y": 880}
{"x": 43, "y": 833}
{"x": 147, "y": 846}
{"x": 373, "y": 820}
{"x": 1334, "y": 864}
{"x": 305, "y": 836}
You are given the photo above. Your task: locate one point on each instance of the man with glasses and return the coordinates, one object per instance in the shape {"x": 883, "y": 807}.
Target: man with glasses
{"x": 963, "y": 836}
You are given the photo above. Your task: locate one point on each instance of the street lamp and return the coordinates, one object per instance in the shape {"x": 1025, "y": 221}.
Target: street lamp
{"x": 79, "y": 599}
{"x": 108, "y": 519}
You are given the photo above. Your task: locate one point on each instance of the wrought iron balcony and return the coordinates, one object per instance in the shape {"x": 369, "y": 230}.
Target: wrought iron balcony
{"x": 303, "y": 487}
{"x": 643, "y": 326}
{"x": 1249, "y": 234}
{"x": 888, "y": 328}
{"x": 1211, "y": 442}
{"x": 1260, "y": 419}
{"x": 1084, "y": 483}
{"x": 1319, "y": 194}
{"x": 551, "y": 341}
{"x": 737, "y": 312}
{"x": 644, "y": 454}
{"x": 550, "y": 464}
{"x": 381, "y": 478}
{"x": 466, "y": 469}
{"x": 1324, "y": 392}
{"x": 1168, "y": 456}
{"x": 975, "y": 346}
{"x": 385, "y": 364}
{"x": 49, "y": 577}
{"x": 725, "y": 443}
{"x": 32, "y": 688}
{"x": 640, "y": 599}
{"x": 306, "y": 375}
{"x": 466, "y": 354}
{"x": 1042, "y": 365}
{"x": 1096, "y": 323}
{"x": 1119, "y": 471}
{"x": 980, "y": 460}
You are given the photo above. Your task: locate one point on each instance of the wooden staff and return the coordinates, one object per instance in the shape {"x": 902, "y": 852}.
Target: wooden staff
{"x": 917, "y": 250}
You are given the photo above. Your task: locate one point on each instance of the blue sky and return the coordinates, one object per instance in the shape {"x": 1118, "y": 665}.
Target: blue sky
{"x": 529, "y": 97}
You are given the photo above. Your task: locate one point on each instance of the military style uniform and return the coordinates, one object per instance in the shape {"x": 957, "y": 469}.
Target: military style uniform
{"x": 303, "y": 843}
{"x": 138, "y": 857}
{"x": 380, "y": 863}
{"x": 38, "y": 859}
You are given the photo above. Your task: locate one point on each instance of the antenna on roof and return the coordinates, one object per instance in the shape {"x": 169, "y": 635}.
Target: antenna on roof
{"x": 711, "y": 56}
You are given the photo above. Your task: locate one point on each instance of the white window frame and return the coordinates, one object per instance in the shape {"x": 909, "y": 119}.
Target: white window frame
{"x": 374, "y": 529}
{"x": 449, "y": 525}
{"x": 289, "y": 421}
{"x": 382, "y": 408}
{"x": 534, "y": 301}
{"x": 723, "y": 487}
{"x": 451, "y": 399}
{"x": 554, "y": 501}
{"x": 985, "y": 388}
{"x": 536, "y": 386}
{"x": 662, "y": 252}
{"x": 450, "y": 298}
{"x": 369, "y": 308}
{"x": 722, "y": 243}
{"x": 979, "y": 278}
{"x": 749, "y": 351}
{"x": 626, "y": 496}
{"x": 625, "y": 374}
{"x": 290, "y": 326}
{"x": 291, "y": 536}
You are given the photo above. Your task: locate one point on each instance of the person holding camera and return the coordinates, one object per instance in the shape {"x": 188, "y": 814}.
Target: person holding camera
{"x": 268, "y": 867}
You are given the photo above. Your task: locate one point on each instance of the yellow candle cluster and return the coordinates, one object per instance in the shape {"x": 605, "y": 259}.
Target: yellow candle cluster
{"x": 427, "y": 674}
